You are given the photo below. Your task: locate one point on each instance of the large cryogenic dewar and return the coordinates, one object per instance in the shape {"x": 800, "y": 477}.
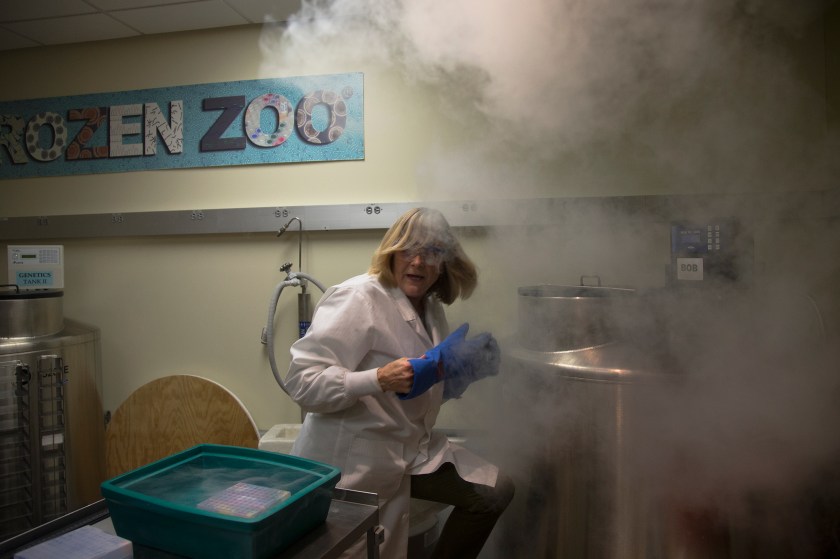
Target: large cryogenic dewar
{"x": 51, "y": 420}
{"x": 583, "y": 497}
{"x": 612, "y": 402}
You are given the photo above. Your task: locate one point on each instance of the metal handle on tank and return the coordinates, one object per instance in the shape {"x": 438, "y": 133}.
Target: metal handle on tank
{"x": 23, "y": 375}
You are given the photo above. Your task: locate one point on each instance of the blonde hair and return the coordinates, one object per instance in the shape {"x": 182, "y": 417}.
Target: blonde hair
{"x": 420, "y": 228}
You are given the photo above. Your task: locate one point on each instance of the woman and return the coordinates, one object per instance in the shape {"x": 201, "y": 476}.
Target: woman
{"x": 348, "y": 371}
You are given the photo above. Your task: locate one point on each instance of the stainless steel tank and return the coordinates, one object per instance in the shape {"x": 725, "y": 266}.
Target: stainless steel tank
{"x": 611, "y": 393}
{"x": 51, "y": 420}
{"x": 586, "y": 493}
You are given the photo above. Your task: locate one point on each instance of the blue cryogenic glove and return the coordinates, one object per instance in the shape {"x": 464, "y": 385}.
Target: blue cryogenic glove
{"x": 429, "y": 370}
{"x": 458, "y": 361}
{"x": 427, "y": 373}
{"x": 471, "y": 361}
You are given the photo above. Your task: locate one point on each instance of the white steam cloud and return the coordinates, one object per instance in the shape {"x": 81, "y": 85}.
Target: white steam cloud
{"x": 636, "y": 96}
{"x": 700, "y": 94}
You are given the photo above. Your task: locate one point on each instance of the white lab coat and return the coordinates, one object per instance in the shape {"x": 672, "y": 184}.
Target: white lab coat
{"x": 376, "y": 439}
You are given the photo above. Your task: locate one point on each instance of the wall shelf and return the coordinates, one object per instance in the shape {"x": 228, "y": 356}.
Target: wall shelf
{"x": 464, "y": 213}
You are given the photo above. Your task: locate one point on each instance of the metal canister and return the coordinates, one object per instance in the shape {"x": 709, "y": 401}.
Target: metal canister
{"x": 610, "y": 408}
{"x": 30, "y": 314}
{"x": 562, "y": 317}
{"x": 585, "y": 496}
{"x": 51, "y": 422}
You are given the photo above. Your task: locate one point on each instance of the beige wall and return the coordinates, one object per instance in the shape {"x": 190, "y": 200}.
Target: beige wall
{"x": 387, "y": 174}
{"x": 197, "y": 304}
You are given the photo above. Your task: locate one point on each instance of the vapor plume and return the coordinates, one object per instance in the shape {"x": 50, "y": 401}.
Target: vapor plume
{"x": 614, "y": 97}
{"x": 697, "y": 94}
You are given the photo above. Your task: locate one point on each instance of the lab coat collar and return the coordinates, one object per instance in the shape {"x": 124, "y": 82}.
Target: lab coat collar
{"x": 408, "y": 312}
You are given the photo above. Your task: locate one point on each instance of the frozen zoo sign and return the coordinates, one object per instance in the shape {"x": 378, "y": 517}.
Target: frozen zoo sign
{"x": 311, "y": 118}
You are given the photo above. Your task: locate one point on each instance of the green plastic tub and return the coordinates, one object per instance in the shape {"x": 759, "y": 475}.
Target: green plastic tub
{"x": 221, "y": 502}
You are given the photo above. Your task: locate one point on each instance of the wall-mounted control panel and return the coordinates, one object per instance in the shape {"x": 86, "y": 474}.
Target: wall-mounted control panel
{"x": 36, "y": 266}
{"x": 710, "y": 251}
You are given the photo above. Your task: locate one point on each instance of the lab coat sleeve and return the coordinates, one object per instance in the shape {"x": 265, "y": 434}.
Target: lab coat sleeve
{"x": 322, "y": 375}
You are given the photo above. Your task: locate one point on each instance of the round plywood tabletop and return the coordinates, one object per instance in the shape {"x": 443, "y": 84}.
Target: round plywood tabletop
{"x": 172, "y": 414}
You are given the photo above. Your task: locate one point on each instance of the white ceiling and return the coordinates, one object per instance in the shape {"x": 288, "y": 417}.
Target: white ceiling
{"x": 32, "y": 23}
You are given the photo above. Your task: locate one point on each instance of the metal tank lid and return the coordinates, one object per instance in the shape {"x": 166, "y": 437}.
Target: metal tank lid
{"x": 18, "y": 294}
{"x": 584, "y": 332}
{"x": 30, "y": 313}
{"x": 614, "y": 362}
{"x": 555, "y": 291}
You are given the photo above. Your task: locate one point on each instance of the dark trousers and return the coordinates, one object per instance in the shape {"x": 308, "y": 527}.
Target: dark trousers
{"x": 477, "y": 508}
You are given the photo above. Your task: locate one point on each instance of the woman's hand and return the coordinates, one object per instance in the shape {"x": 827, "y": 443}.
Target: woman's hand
{"x": 396, "y": 376}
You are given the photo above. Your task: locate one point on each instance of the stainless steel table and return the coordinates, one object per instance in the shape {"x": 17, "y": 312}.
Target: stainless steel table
{"x": 352, "y": 515}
